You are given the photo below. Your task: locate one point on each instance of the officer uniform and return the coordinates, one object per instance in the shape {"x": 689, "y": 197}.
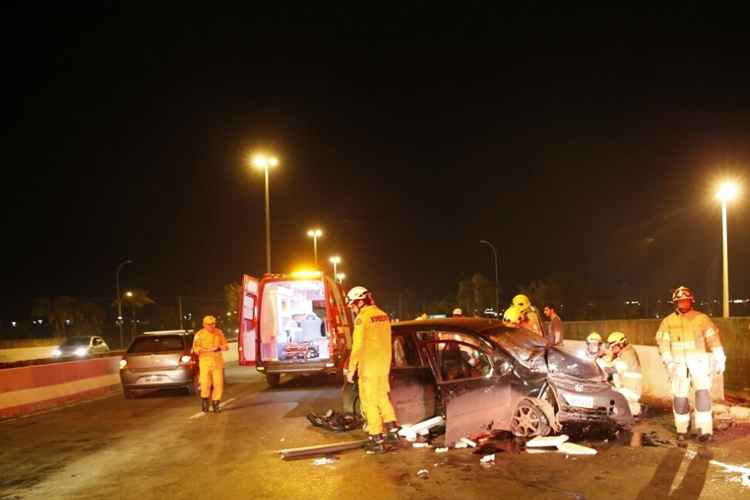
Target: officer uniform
{"x": 209, "y": 345}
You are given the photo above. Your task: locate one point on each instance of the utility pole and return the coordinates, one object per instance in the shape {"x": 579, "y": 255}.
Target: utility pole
{"x": 179, "y": 305}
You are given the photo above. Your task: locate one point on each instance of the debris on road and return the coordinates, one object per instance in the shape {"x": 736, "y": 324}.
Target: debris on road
{"x": 461, "y": 445}
{"x": 324, "y": 461}
{"x": 321, "y": 449}
{"x": 441, "y": 450}
{"x": 423, "y": 473}
{"x": 423, "y": 426}
{"x": 468, "y": 442}
{"x": 420, "y": 445}
{"x": 547, "y": 442}
{"x": 487, "y": 459}
{"x": 336, "y": 421}
{"x": 575, "y": 449}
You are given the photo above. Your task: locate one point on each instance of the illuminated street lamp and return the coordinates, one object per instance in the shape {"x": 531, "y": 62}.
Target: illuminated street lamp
{"x": 315, "y": 234}
{"x": 335, "y": 260}
{"x": 264, "y": 162}
{"x": 727, "y": 192}
{"x": 119, "y": 299}
{"x": 340, "y": 277}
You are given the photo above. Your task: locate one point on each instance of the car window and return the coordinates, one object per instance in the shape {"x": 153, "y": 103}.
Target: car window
{"x": 156, "y": 343}
{"x": 404, "y": 354}
{"x": 76, "y": 341}
{"x": 458, "y": 361}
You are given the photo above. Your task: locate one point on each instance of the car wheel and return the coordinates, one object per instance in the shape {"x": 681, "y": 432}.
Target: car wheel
{"x": 529, "y": 421}
{"x": 273, "y": 379}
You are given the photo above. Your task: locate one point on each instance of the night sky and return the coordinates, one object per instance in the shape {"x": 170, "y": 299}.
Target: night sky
{"x": 580, "y": 143}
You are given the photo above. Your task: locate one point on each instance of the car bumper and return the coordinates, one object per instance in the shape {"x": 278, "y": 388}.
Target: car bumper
{"x": 601, "y": 407}
{"x": 302, "y": 367}
{"x": 180, "y": 377}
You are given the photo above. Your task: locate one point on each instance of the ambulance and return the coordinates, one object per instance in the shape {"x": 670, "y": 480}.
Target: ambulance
{"x": 295, "y": 323}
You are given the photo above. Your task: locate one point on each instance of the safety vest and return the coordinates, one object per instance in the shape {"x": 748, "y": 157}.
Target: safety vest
{"x": 682, "y": 336}
{"x": 371, "y": 349}
{"x": 207, "y": 340}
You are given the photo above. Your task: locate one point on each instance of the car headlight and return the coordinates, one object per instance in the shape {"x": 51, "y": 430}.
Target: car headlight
{"x": 123, "y": 363}
{"x": 56, "y": 352}
{"x": 81, "y": 351}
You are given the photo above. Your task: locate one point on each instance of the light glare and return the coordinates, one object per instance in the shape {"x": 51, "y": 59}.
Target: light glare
{"x": 727, "y": 191}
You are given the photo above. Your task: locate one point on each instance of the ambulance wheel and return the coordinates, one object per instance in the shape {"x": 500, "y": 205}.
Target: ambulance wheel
{"x": 273, "y": 379}
{"x": 529, "y": 421}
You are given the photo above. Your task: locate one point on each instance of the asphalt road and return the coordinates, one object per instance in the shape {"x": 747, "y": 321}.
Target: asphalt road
{"x": 160, "y": 446}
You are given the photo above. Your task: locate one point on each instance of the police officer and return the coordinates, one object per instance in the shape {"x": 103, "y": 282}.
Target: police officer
{"x": 687, "y": 341}
{"x": 371, "y": 357}
{"x": 208, "y": 344}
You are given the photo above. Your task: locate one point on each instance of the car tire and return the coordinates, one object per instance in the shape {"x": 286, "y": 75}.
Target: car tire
{"x": 529, "y": 421}
{"x": 273, "y": 379}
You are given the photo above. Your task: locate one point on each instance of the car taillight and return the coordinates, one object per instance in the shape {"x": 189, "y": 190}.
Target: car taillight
{"x": 123, "y": 363}
{"x": 185, "y": 359}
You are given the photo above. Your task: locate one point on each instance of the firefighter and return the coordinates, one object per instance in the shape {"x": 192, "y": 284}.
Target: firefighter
{"x": 530, "y": 317}
{"x": 208, "y": 344}
{"x": 626, "y": 376}
{"x": 371, "y": 358}
{"x": 513, "y": 316}
{"x": 457, "y": 313}
{"x": 595, "y": 350}
{"x": 685, "y": 338}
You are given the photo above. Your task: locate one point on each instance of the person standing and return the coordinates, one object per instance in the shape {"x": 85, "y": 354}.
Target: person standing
{"x": 209, "y": 344}
{"x": 371, "y": 359}
{"x": 685, "y": 339}
{"x": 555, "y": 331}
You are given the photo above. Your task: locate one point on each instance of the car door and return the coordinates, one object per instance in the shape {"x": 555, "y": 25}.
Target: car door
{"x": 474, "y": 383}
{"x": 413, "y": 389}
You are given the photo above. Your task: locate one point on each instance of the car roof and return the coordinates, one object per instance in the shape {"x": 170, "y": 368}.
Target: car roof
{"x": 478, "y": 325}
{"x": 169, "y": 332}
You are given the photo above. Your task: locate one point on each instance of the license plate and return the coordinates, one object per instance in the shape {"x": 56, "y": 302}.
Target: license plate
{"x": 155, "y": 379}
{"x": 580, "y": 401}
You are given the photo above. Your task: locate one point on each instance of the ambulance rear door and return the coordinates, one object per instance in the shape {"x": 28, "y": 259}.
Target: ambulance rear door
{"x": 248, "y": 313}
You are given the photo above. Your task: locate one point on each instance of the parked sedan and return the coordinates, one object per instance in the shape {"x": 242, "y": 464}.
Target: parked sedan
{"x": 482, "y": 375}
{"x": 81, "y": 347}
{"x": 159, "y": 360}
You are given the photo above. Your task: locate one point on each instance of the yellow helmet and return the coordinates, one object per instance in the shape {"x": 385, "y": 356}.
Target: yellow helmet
{"x": 513, "y": 315}
{"x": 521, "y": 301}
{"x": 594, "y": 337}
{"x": 616, "y": 338}
{"x": 209, "y": 320}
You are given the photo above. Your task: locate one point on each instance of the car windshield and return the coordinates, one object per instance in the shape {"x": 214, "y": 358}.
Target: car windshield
{"x": 565, "y": 360}
{"x": 522, "y": 344}
{"x": 76, "y": 341}
{"x": 156, "y": 343}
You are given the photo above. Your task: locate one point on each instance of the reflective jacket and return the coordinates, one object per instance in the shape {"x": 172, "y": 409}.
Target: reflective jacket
{"x": 209, "y": 346}
{"x": 371, "y": 349}
{"x": 627, "y": 373}
{"x": 682, "y": 336}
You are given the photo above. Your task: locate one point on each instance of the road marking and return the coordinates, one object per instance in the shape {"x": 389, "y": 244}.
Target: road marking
{"x": 202, "y": 414}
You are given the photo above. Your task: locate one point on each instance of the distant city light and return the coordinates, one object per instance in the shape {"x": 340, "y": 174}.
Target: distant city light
{"x": 13, "y": 323}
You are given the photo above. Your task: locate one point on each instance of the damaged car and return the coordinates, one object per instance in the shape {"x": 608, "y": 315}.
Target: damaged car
{"x": 482, "y": 375}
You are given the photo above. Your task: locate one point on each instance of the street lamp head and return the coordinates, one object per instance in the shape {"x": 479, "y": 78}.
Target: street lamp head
{"x": 263, "y": 162}
{"x": 128, "y": 294}
{"x": 315, "y": 233}
{"x": 728, "y": 191}
{"x": 335, "y": 259}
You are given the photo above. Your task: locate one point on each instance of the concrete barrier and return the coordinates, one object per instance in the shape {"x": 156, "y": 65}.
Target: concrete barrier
{"x": 656, "y": 386}
{"x": 24, "y": 353}
{"x": 27, "y": 389}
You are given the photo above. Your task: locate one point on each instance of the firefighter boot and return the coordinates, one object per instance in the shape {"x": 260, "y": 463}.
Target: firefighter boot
{"x": 682, "y": 439}
{"x": 375, "y": 445}
{"x": 216, "y": 406}
{"x": 391, "y": 433}
{"x": 204, "y": 405}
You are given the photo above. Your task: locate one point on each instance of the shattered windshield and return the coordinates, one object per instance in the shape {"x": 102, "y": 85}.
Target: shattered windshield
{"x": 524, "y": 345}
{"x": 565, "y": 360}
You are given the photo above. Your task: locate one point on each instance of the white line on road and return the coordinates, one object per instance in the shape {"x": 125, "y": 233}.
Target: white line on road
{"x": 201, "y": 414}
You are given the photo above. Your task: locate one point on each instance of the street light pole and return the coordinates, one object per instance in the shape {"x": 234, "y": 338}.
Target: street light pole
{"x": 265, "y": 162}
{"x": 497, "y": 284}
{"x": 335, "y": 260}
{"x": 119, "y": 299}
{"x": 315, "y": 234}
{"x": 727, "y": 192}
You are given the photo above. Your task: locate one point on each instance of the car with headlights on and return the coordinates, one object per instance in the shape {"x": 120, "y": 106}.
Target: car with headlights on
{"x": 81, "y": 346}
{"x": 159, "y": 360}
{"x": 482, "y": 374}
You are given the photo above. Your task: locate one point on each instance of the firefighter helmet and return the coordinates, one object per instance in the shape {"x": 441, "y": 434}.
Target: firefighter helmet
{"x": 594, "y": 337}
{"x": 521, "y": 301}
{"x": 683, "y": 293}
{"x": 209, "y": 320}
{"x": 593, "y": 343}
{"x": 513, "y": 315}
{"x": 357, "y": 293}
{"x": 457, "y": 312}
{"x": 617, "y": 338}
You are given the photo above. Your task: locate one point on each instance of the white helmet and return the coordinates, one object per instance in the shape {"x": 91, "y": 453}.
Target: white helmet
{"x": 357, "y": 293}
{"x": 458, "y": 312}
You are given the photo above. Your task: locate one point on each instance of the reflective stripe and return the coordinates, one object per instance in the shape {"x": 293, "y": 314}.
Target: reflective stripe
{"x": 688, "y": 344}
{"x": 633, "y": 375}
{"x": 682, "y": 418}
{"x": 710, "y": 332}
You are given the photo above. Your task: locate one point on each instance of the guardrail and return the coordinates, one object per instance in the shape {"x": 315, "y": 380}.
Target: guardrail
{"x": 33, "y": 385}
